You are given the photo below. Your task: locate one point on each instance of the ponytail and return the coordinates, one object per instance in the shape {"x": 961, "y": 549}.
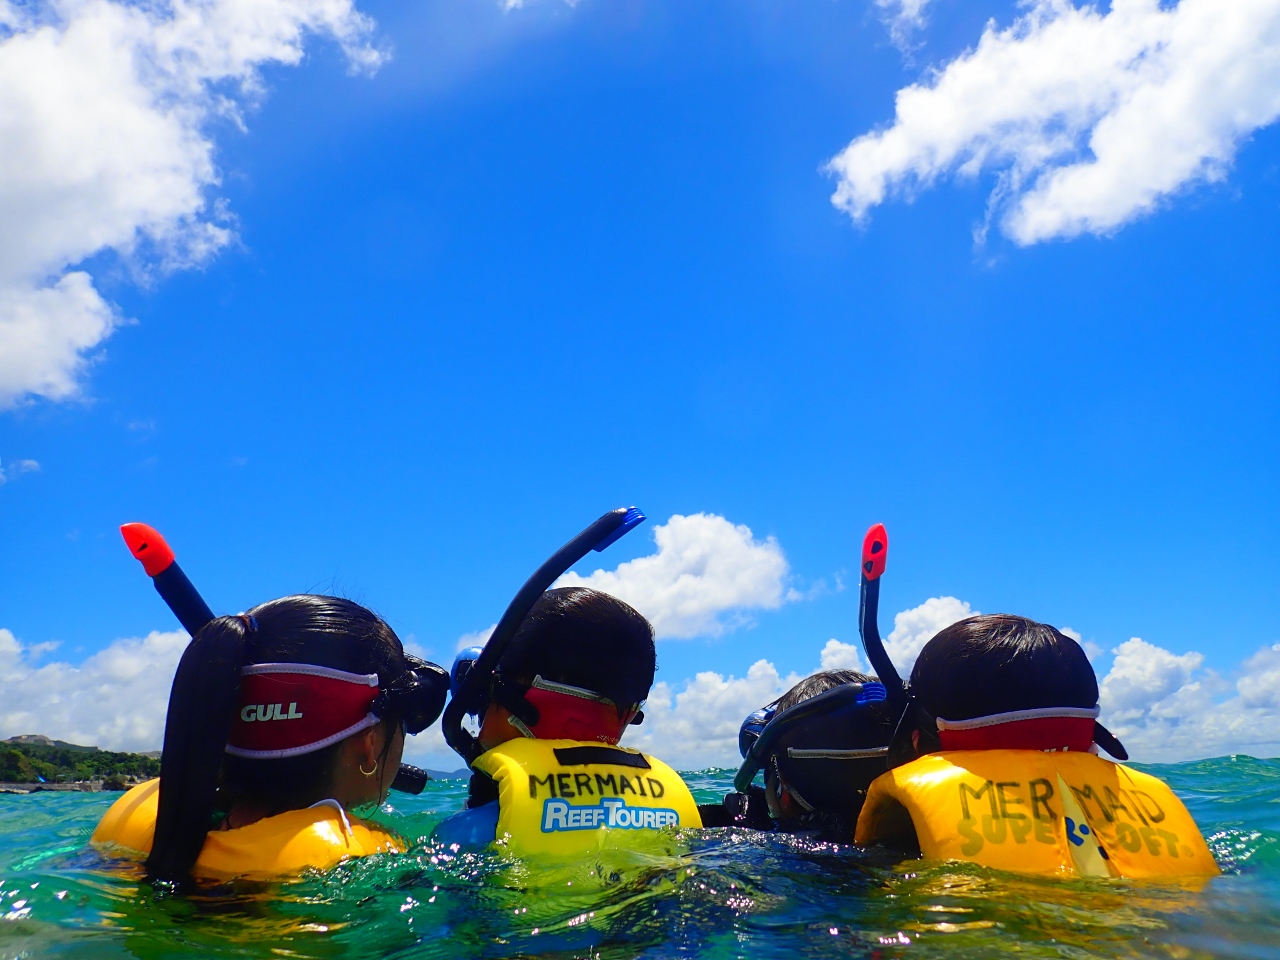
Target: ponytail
{"x": 202, "y": 703}
{"x": 195, "y": 766}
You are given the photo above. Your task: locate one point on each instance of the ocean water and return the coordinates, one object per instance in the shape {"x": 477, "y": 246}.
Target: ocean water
{"x": 719, "y": 893}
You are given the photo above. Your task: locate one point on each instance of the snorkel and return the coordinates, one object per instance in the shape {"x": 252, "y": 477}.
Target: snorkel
{"x": 157, "y": 559}
{"x": 181, "y": 596}
{"x": 473, "y": 684}
{"x": 875, "y": 556}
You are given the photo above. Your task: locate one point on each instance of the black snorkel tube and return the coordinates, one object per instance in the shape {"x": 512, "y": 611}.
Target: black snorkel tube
{"x": 181, "y": 596}
{"x": 178, "y": 593}
{"x": 844, "y": 698}
{"x": 474, "y": 687}
{"x": 875, "y": 555}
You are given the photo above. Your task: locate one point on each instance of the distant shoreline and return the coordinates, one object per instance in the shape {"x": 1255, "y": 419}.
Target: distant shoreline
{"x": 33, "y": 763}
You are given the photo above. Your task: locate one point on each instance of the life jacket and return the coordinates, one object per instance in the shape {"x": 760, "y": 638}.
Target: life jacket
{"x": 1030, "y": 811}
{"x": 568, "y": 797}
{"x": 284, "y": 845}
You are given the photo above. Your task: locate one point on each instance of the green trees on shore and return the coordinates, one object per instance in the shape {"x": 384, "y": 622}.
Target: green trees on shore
{"x": 29, "y": 762}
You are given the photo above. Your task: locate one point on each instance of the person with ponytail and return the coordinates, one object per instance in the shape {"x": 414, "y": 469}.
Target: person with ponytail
{"x": 283, "y": 722}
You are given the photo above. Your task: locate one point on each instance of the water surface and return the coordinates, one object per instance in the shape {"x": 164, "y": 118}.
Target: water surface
{"x": 722, "y": 893}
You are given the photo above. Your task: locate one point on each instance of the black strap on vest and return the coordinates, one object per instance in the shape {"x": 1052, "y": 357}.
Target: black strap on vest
{"x": 582, "y": 756}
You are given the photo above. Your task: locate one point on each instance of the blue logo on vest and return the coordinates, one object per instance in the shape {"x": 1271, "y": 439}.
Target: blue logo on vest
{"x": 559, "y": 816}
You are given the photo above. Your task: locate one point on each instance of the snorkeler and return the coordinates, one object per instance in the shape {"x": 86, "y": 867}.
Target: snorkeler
{"x": 817, "y": 764}
{"x": 550, "y": 777}
{"x": 995, "y": 760}
{"x": 282, "y": 723}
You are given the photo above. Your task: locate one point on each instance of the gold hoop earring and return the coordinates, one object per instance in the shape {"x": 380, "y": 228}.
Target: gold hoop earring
{"x": 369, "y": 773}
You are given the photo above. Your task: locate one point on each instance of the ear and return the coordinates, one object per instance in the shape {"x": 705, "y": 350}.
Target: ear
{"x": 370, "y": 744}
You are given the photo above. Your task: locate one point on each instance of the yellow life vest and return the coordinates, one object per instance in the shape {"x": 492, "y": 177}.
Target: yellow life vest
{"x": 284, "y": 845}
{"x": 1033, "y": 812}
{"x": 567, "y": 798}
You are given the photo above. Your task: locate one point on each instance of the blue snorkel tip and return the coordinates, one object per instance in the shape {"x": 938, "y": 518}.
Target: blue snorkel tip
{"x": 632, "y": 518}
{"x": 872, "y": 693}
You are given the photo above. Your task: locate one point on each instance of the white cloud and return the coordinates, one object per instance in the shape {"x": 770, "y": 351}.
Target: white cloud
{"x": 1167, "y": 707}
{"x": 115, "y": 699}
{"x": 913, "y": 628}
{"x": 16, "y": 469}
{"x": 842, "y": 656}
{"x": 476, "y": 639}
{"x": 428, "y": 749}
{"x": 1090, "y": 119}
{"x": 1144, "y": 676}
{"x": 105, "y": 113}
{"x": 1260, "y": 686}
{"x": 903, "y": 17}
{"x": 1091, "y": 648}
{"x": 707, "y": 574}
{"x": 698, "y": 727}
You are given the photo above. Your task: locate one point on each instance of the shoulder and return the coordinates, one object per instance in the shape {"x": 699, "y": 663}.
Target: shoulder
{"x": 316, "y": 837}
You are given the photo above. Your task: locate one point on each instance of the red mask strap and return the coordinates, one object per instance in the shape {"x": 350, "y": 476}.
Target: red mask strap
{"x": 1047, "y": 729}
{"x": 288, "y": 709}
{"x": 573, "y": 713}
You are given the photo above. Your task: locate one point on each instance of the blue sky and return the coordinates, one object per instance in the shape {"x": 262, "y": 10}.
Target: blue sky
{"x": 556, "y": 259}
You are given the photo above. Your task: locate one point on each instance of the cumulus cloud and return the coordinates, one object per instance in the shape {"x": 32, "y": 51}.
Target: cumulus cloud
{"x": 1259, "y": 687}
{"x": 106, "y": 109}
{"x": 1144, "y": 676}
{"x": 1089, "y": 119}
{"x": 17, "y": 468}
{"x": 706, "y": 577}
{"x": 115, "y": 699}
{"x": 1168, "y": 707}
{"x": 913, "y": 628}
{"x": 698, "y": 726}
{"x": 842, "y": 656}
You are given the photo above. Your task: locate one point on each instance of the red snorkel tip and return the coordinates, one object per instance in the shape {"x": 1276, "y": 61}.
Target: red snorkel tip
{"x": 147, "y": 547}
{"x": 875, "y": 552}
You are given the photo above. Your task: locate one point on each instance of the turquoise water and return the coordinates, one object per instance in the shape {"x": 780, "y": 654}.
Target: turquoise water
{"x": 732, "y": 894}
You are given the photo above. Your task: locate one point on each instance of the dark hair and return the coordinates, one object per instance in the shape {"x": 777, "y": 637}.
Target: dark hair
{"x": 832, "y": 789}
{"x": 584, "y": 638}
{"x": 1000, "y": 663}
{"x": 820, "y": 682}
{"x": 319, "y": 630}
